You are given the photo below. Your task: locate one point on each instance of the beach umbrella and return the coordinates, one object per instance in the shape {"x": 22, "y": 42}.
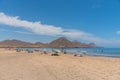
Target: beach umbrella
{"x": 56, "y": 50}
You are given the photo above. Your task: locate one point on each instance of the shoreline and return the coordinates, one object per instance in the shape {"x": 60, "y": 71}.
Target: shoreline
{"x": 88, "y": 54}
{"x": 104, "y": 56}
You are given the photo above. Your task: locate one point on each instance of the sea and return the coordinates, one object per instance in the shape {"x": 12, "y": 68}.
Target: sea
{"x": 106, "y": 52}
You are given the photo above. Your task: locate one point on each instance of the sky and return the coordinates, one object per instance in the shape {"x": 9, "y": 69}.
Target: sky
{"x": 86, "y": 21}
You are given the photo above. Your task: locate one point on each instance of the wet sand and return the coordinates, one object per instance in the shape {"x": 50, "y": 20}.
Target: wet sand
{"x": 37, "y": 66}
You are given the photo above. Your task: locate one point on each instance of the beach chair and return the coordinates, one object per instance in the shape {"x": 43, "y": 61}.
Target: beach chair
{"x": 55, "y": 54}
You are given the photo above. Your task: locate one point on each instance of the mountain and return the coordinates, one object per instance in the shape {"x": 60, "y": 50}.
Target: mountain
{"x": 82, "y": 45}
{"x": 39, "y": 44}
{"x": 15, "y": 43}
{"x": 61, "y": 42}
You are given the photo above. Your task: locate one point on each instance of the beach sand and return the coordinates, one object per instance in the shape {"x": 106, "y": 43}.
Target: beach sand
{"x": 36, "y": 66}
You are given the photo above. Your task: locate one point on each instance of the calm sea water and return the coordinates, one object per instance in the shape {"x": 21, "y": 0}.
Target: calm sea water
{"x": 108, "y": 52}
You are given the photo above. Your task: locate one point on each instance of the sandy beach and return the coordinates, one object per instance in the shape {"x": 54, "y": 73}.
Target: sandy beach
{"x": 37, "y": 66}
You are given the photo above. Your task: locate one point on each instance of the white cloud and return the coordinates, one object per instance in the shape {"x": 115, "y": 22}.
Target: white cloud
{"x": 76, "y": 33}
{"x": 21, "y": 32}
{"x": 51, "y": 30}
{"x": 39, "y": 28}
{"x": 35, "y": 27}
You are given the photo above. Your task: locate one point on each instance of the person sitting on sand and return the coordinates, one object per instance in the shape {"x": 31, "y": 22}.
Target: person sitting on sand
{"x": 18, "y": 50}
{"x": 79, "y": 55}
{"x": 44, "y": 52}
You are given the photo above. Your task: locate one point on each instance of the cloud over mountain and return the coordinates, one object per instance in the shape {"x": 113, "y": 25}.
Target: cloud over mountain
{"x": 39, "y": 28}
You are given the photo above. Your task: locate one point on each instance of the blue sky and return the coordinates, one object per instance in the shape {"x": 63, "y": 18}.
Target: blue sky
{"x": 95, "y": 21}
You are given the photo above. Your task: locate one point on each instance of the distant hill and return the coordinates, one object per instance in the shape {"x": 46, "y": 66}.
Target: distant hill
{"x": 39, "y": 44}
{"x": 14, "y": 43}
{"x": 61, "y": 42}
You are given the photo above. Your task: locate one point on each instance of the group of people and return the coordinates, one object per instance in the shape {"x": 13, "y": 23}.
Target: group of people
{"x": 55, "y": 52}
{"x": 29, "y": 50}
